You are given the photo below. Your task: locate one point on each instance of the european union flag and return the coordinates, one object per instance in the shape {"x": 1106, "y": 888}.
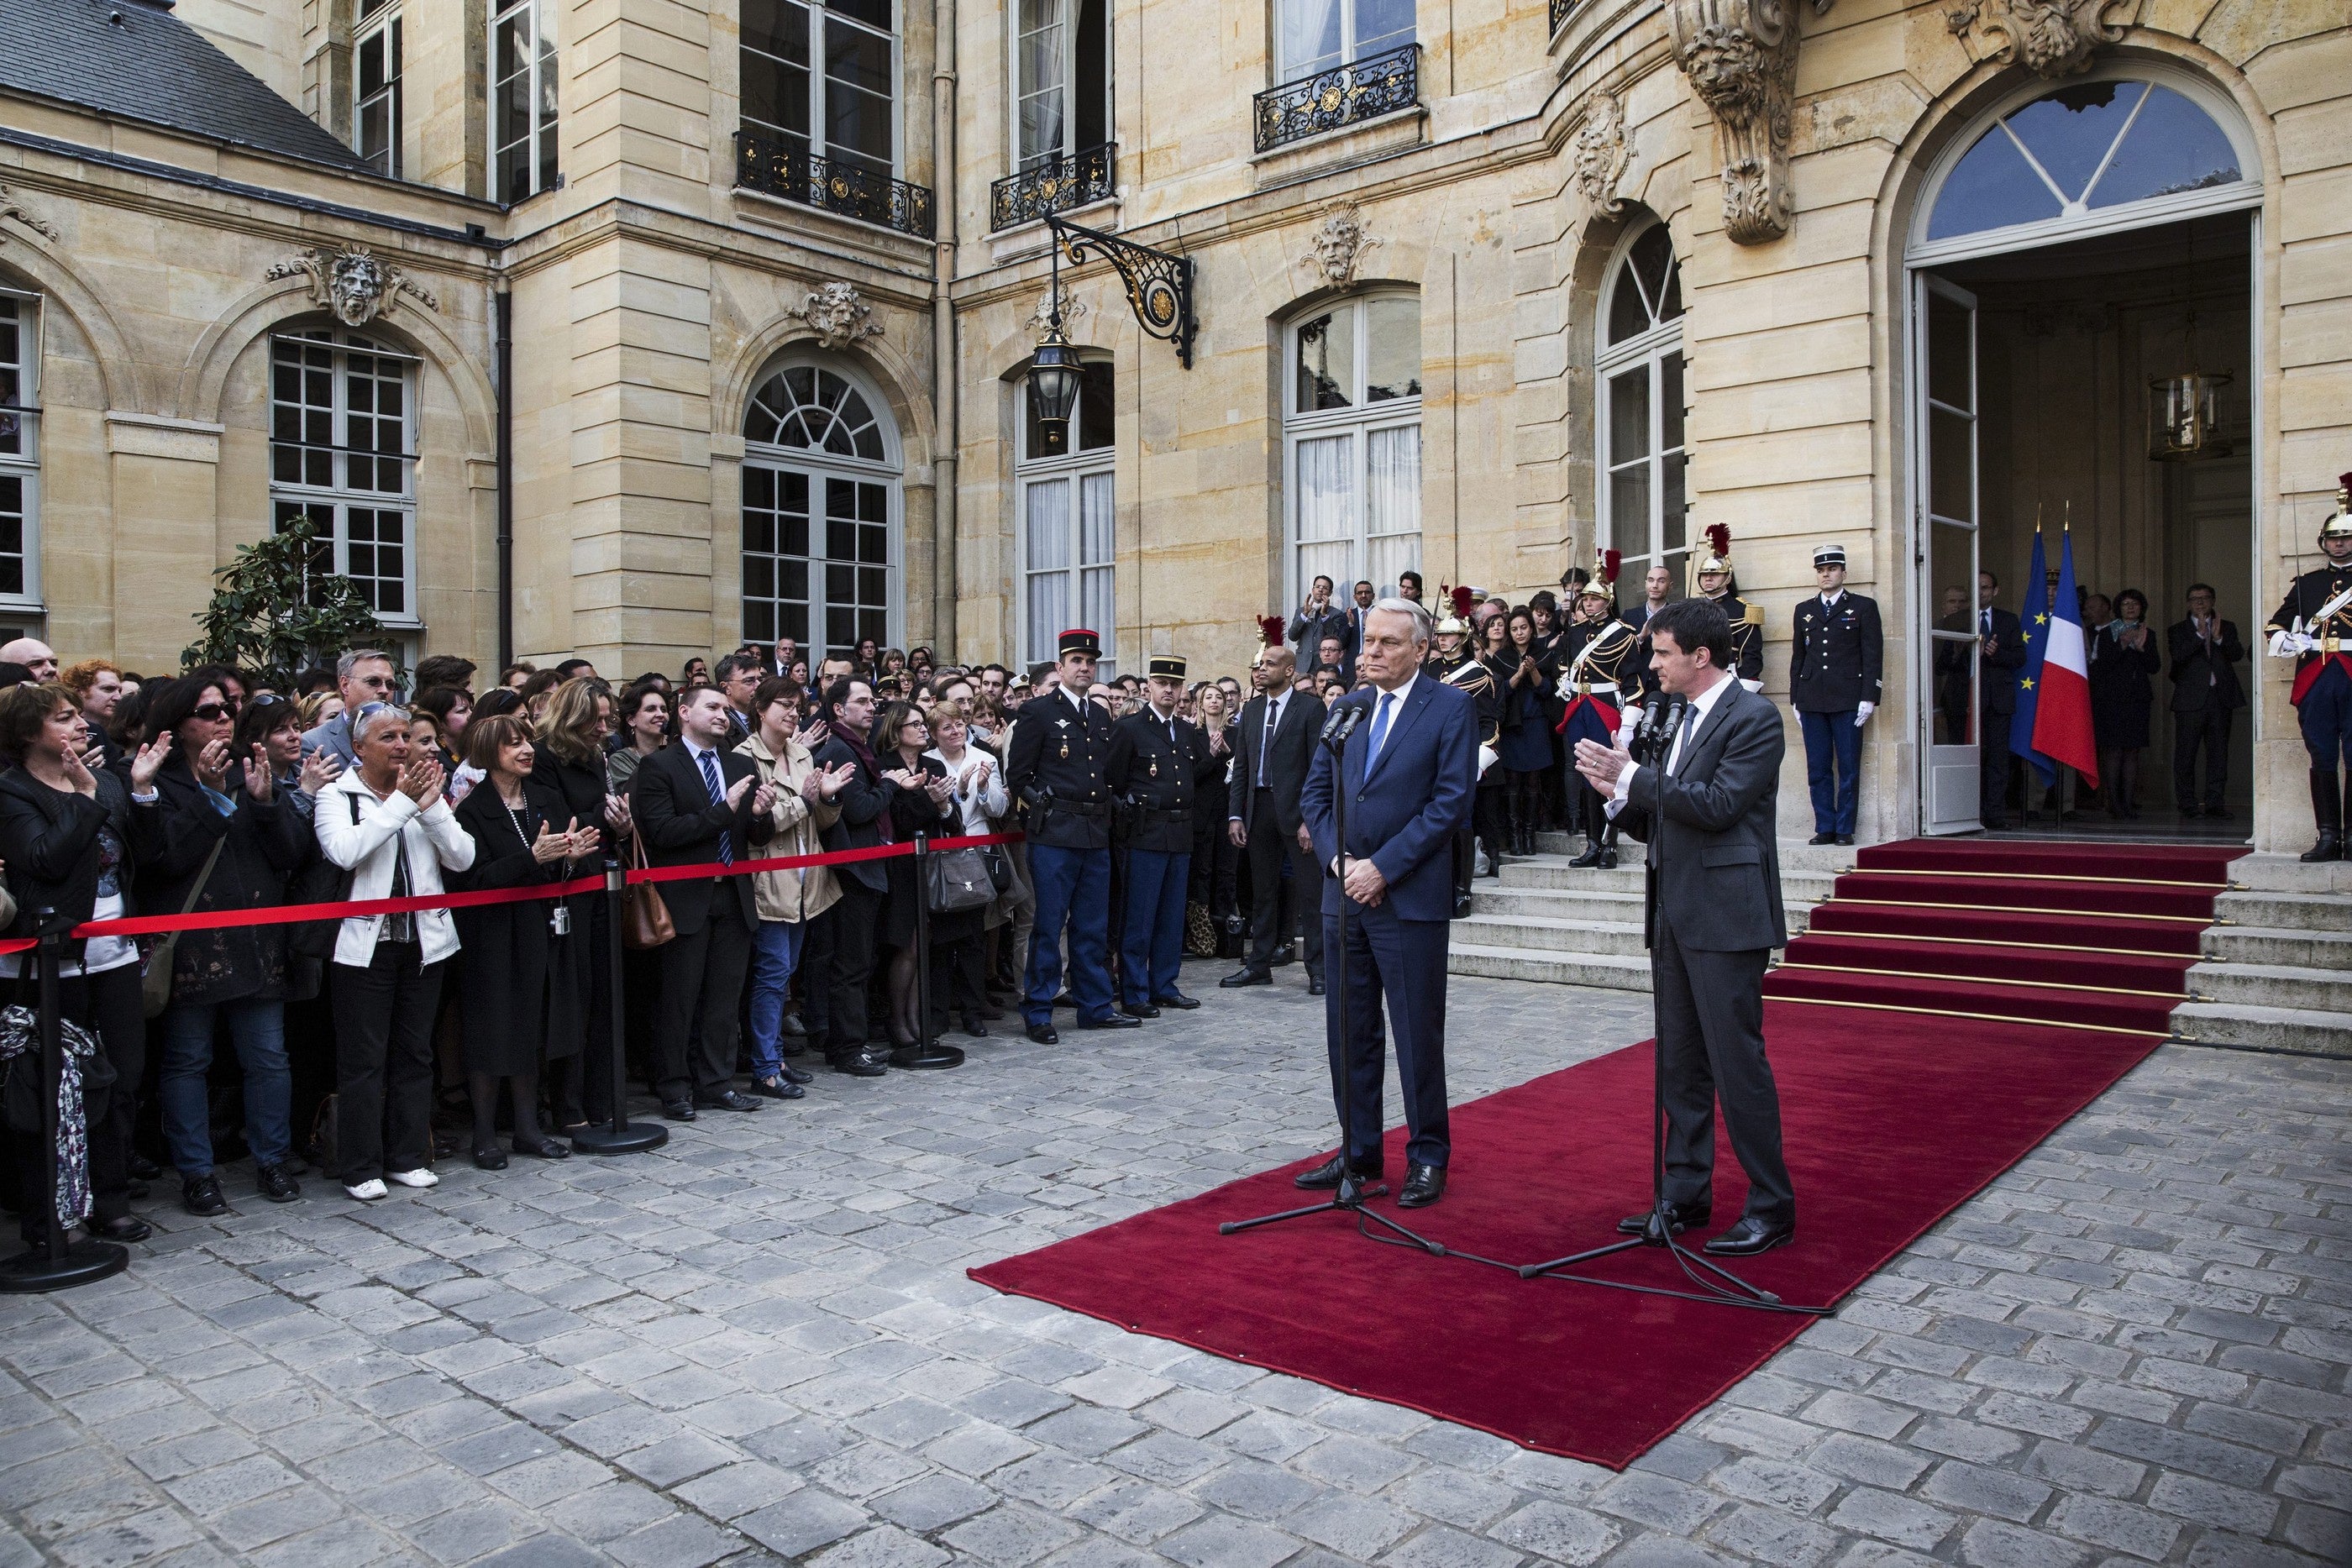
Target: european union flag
{"x": 2036, "y": 615}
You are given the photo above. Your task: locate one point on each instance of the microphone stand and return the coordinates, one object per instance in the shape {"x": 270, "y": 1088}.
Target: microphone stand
{"x": 1349, "y": 1198}
{"x": 1652, "y": 745}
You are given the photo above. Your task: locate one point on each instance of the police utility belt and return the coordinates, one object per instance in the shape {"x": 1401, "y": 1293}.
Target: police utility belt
{"x": 1054, "y": 806}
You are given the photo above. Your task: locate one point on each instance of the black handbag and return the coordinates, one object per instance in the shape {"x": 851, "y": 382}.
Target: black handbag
{"x": 957, "y": 880}
{"x": 1000, "y": 870}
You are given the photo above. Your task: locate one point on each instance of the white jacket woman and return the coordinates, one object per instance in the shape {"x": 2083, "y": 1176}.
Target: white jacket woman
{"x": 358, "y": 829}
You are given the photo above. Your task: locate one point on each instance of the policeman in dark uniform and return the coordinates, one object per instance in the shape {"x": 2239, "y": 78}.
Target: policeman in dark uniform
{"x": 1716, "y": 581}
{"x": 1836, "y": 652}
{"x": 1059, "y": 750}
{"x": 1452, "y": 660}
{"x": 2315, "y": 627}
{"x": 1159, "y": 764}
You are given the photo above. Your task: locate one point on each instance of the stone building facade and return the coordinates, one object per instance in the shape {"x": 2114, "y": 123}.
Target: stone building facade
{"x": 708, "y": 321}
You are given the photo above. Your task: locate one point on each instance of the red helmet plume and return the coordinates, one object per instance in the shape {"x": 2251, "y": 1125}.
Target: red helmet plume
{"x": 1611, "y": 563}
{"x": 1271, "y": 626}
{"x": 1462, "y": 599}
{"x": 1718, "y": 539}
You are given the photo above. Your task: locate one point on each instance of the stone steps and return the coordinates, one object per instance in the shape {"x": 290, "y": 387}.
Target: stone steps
{"x": 2265, "y": 1027}
{"x": 2287, "y": 945}
{"x": 2273, "y": 986}
{"x": 2299, "y": 911}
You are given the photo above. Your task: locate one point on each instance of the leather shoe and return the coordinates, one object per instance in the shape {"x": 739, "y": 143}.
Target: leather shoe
{"x": 1315, "y": 985}
{"x": 276, "y": 1182}
{"x": 1116, "y": 1020}
{"x": 123, "y": 1228}
{"x": 1176, "y": 999}
{"x": 1423, "y": 1185}
{"x": 490, "y": 1159}
{"x": 1065, "y": 1000}
{"x": 1325, "y": 1176}
{"x": 1822, "y": 838}
{"x": 1044, "y": 1034}
{"x": 862, "y": 1065}
{"x": 1845, "y": 841}
{"x": 1139, "y": 1010}
{"x": 201, "y": 1196}
{"x": 678, "y": 1110}
{"x": 143, "y": 1168}
{"x": 777, "y": 1088}
{"x": 1253, "y": 975}
{"x": 1685, "y": 1217}
{"x": 1751, "y": 1236}
{"x": 791, "y": 1074}
{"x": 726, "y": 1100}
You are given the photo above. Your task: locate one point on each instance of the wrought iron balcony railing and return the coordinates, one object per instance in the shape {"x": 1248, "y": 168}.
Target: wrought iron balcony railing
{"x": 1346, "y": 95}
{"x": 1055, "y": 185}
{"x": 780, "y": 169}
{"x": 1559, "y": 10}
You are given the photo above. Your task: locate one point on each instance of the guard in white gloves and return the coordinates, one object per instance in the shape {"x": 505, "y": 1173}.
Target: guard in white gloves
{"x": 1836, "y": 652}
{"x": 2313, "y": 628}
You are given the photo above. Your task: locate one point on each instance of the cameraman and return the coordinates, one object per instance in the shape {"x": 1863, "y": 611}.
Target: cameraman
{"x": 1707, "y": 811}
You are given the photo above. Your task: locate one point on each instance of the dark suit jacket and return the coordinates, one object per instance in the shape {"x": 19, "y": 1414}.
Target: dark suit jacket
{"x": 1715, "y": 857}
{"x": 1287, "y": 763}
{"x": 865, "y": 816}
{"x": 2199, "y": 679}
{"x": 681, "y": 825}
{"x": 1998, "y": 669}
{"x": 1403, "y": 814}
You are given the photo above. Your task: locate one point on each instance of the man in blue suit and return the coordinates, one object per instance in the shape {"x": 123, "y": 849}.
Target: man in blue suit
{"x": 1410, "y": 772}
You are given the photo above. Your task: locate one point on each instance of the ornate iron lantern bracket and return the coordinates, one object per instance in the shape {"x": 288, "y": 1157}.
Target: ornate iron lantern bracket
{"x": 1159, "y": 284}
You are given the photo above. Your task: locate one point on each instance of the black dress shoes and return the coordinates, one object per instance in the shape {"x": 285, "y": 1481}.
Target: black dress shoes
{"x": 865, "y": 1064}
{"x": 492, "y": 1158}
{"x": 1684, "y": 1218}
{"x": 276, "y": 1182}
{"x": 678, "y": 1110}
{"x": 726, "y": 1100}
{"x": 1845, "y": 841}
{"x": 1325, "y": 1176}
{"x": 122, "y": 1227}
{"x": 201, "y": 1196}
{"x": 1251, "y": 975}
{"x": 1423, "y": 1185}
{"x": 1139, "y": 1010}
{"x": 1822, "y": 838}
{"x": 1044, "y": 1034}
{"x": 791, "y": 1074}
{"x": 1176, "y": 999}
{"x": 1116, "y": 1020}
{"x": 143, "y": 1168}
{"x": 1751, "y": 1236}
{"x": 1315, "y": 985}
{"x": 1065, "y": 1000}
{"x": 777, "y": 1088}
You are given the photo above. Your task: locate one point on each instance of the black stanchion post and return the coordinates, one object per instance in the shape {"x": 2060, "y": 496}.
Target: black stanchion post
{"x": 622, "y": 1137}
{"x": 923, "y": 1055}
{"x": 65, "y": 1261}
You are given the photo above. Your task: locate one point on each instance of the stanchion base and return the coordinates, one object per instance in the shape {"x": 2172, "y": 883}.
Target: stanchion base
{"x": 927, "y": 1058}
{"x": 86, "y": 1262}
{"x": 633, "y": 1138}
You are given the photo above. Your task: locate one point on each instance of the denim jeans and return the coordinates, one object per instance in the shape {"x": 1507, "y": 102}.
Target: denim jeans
{"x": 775, "y": 954}
{"x": 259, "y": 1030}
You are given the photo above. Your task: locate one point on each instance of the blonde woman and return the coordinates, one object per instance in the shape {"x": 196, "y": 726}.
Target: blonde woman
{"x": 787, "y": 899}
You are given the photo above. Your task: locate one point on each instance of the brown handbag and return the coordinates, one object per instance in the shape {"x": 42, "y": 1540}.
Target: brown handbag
{"x": 645, "y": 918}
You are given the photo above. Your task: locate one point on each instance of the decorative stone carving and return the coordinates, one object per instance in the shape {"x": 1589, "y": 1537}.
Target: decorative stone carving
{"x": 1339, "y": 244}
{"x": 1041, "y": 317}
{"x": 2052, "y": 39}
{"x": 1741, "y": 58}
{"x": 837, "y": 314}
{"x": 353, "y": 283}
{"x": 1602, "y": 154}
{"x": 10, "y": 207}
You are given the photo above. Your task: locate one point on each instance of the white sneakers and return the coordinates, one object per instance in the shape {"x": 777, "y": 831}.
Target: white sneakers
{"x": 367, "y": 1191}
{"x": 418, "y": 1178}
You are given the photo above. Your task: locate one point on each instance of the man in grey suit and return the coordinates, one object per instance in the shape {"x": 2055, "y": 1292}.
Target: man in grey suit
{"x": 1708, "y": 815}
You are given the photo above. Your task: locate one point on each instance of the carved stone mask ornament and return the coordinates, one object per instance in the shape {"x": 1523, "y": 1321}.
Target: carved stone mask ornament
{"x": 353, "y": 283}
{"x": 1602, "y": 154}
{"x": 1338, "y": 245}
{"x": 2052, "y": 39}
{"x": 837, "y": 314}
{"x": 1740, "y": 57}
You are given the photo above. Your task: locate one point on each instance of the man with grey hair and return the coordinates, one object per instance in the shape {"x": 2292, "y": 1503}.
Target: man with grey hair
{"x": 38, "y": 658}
{"x": 363, "y": 675}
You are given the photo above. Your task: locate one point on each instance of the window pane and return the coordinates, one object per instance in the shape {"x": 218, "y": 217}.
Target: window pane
{"x": 1382, "y": 26}
{"x": 1629, "y": 415}
{"x": 1670, "y": 401}
{"x": 1629, "y": 508}
{"x": 1100, "y": 615}
{"x": 1392, "y": 349}
{"x": 1392, "y": 504}
{"x": 1951, "y": 467}
{"x": 1097, "y": 412}
{"x": 1673, "y": 506}
{"x": 1950, "y": 353}
{"x": 2069, "y": 132}
{"x": 1043, "y": 48}
{"x": 1310, "y": 36}
{"x": 1990, "y": 188}
{"x": 777, "y": 28}
{"x": 2172, "y": 146}
{"x": 12, "y": 533}
{"x": 1629, "y": 315}
{"x": 1327, "y": 497}
{"x": 1049, "y": 522}
{"x": 874, "y": 14}
{"x": 775, "y": 97}
{"x": 1326, "y": 365}
{"x": 1098, "y": 524}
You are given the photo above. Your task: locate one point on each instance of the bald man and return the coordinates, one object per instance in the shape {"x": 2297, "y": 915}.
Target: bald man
{"x": 34, "y": 655}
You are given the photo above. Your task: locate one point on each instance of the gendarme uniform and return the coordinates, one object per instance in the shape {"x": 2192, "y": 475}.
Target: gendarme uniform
{"x": 1836, "y": 651}
{"x": 1056, "y": 768}
{"x": 1600, "y": 674}
{"x": 2315, "y": 628}
{"x": 1156, "y": 770}
{"x": 1464, "y": 670}
{"x": 1746, "y": 623}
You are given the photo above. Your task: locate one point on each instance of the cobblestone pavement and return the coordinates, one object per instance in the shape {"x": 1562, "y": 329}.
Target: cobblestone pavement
{"x": 760, "y": 1344}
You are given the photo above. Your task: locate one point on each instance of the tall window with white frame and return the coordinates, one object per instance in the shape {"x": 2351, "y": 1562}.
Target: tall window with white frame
{"x": 1352, "y": 428}
{"x": 1061, "y": 52}
{"x": 376, "y": 121}
{"x": 1639, "y": 367}
{"x": 821, "y": 78}
{"x": 20, "y": 455}
{"x": 1315, "y": 35}
{"x": 522, "y": 98}
{"x": 820, "y": 507}
{"x": 342, "y": 453}
{"x": 1069, "y": 490}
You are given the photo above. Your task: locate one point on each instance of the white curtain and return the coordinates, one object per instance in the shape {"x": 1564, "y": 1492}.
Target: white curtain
{"x": 1392, "y": 505}
{"x": 1097, "y": 550}
{"x": 1325, "y": 479}
{"x": 1041, "y": 78}
{"x": 1310, "y": 37}
{"x": 1047, "y": 526}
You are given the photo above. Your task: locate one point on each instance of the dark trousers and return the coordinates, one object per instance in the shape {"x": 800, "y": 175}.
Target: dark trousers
{"x": 106, "y": 1005}
{"x": 1072, "y": 889}
{"x": 2208, "y": 727}
{"x": 1709, "y": 1008}
{"x": 839, "y": 959}
{"x": 1402, "y": 962}
{"x": 703, "y": 984}
{"x": 2324, "y": 718}
{"x": 384, "y": 1061}
{"x": 1151, "y": 946}
{"x": 1269, "y": 848}
{"x": 1992, "y": 768}
{"x": 1832, "y": 766}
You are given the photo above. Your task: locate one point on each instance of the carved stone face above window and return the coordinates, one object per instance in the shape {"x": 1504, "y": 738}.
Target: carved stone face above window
{"x": 2052, "y": 39}
{"x": 1338, "y": 246}
{"x": 837, "y": 314}
{"x": 353, "y": 283}
{"x": 1602, "y": 153}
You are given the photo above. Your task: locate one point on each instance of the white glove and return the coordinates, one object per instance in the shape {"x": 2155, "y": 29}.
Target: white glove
{"x": 1753, "y": 686}
{"x": 1862, "y": 713}
{"x": 1486, "y": 759}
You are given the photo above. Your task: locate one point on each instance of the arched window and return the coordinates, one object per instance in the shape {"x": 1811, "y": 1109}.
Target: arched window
{"x": 20, "y": 455}
{"x": 343, "y": 453}
{"x": 1068, "y": 484}
{"x": 1639, "y": 367}
{"x": 2106, "y": 153}
{"x": 1352, "y": 428}
{"x": 821, "y": 509}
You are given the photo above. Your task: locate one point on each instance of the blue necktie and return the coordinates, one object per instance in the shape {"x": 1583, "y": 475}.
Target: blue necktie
{"x": 709, "y": 762}
{"x": 1380, "y": 729}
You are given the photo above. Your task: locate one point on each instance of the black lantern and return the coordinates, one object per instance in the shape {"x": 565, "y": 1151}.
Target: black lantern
{"x": 1053, "y": 376}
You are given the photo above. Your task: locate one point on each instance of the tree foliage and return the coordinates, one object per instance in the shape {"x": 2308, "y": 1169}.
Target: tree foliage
{"x": 278, "y": 609}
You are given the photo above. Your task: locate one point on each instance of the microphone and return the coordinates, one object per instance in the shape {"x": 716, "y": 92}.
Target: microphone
{"x": 1345, "y": 717}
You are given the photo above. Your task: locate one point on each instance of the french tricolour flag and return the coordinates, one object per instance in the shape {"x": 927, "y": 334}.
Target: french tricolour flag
{"x": 2062, "y": 718}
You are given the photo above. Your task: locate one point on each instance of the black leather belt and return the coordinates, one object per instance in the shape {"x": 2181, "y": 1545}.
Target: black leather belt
{"x": 1072, "y": 808}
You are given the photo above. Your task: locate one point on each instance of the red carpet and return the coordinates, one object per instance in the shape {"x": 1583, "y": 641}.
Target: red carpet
{"x": 2087, "y": 934}
{"x": 1891, "y": 1119}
